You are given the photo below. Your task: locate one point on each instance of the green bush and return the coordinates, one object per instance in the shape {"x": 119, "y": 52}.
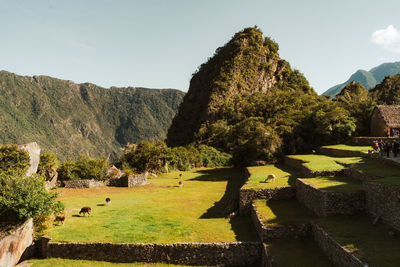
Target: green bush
{"x": 13, "y": 160}
{"x": 211, "y": 157}
{"x": 84, "y": 168}
{"x": 23, "y": 197}
{"x": 48, "y": 165}
{"x": 147, "y": 156}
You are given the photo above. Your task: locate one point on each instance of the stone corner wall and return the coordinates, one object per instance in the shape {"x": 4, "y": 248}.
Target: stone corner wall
{"x": 85, "y": 183}
{"x": 13, "y": 245}
{"x": 195, "y": 254}
{"x": 246, "y": 196}
{"x": 383, "y": 200}
{"x": 134, "y": 180}
{"x": 333, "y": 250}
{"x": 324, "y": 203}
{"x": 279, "y": 231}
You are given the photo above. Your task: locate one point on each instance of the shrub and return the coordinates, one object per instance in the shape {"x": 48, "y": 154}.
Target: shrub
{"x": 23, "y": 197}
{"x": 48, "y": 165}
{"x": 13, "y": 160}
{"x": 84, "y": 168}
{"x": 147, "y": 156}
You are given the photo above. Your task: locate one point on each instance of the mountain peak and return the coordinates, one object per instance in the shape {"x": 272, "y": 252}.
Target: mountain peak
{"x": 369, "y": 79}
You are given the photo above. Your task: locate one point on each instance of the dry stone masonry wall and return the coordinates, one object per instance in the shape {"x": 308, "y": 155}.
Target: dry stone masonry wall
{"x": 248, "y": 195}
{"x": 339, "y": 255}
{"x": 325, "y": 203}
{"x": 278, "y": 231}
{"x": 340, "y": 153}
{"x": 82, "y": 183}
{"x": 384, "y": 201}
{"x": 222, "y": 254}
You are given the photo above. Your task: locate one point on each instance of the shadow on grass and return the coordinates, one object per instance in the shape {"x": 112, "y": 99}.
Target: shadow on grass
{"x": 288, "y": 212}
{"x": 294, "y": 174}
{"x": 242, "y": 226}
{"x": 229, "y": 201}
{"x": 101, "y": 205}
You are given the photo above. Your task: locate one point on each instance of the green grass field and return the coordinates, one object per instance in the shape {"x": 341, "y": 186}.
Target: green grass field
{"x": 83, "y": 263}
{"x": 363, "y": 149}
{"x": 325, "y": 163}
{"x": 160, "y": 212}
{"x": 335, "y": 183}
{"x": 300, "y": 252}
{"x": 371, "y": 243}
{"x": 282, "y": 212}
{"x": 284, "y": 177}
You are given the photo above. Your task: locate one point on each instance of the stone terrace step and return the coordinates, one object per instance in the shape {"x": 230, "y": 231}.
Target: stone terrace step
{"x": 331, "y": 195}
{"x": 281, "y": 218}
{"x": 362, "y": 242}
{"x": 294, "y": 253}
{"x": 256, "y": 188}
{"x": 313, "y": 165}
{"x": 344, "y": 151}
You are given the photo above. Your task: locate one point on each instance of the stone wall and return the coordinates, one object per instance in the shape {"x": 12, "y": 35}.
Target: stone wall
{"x": 134, "y": 180}
{"x": 34, "y": 153}
{"x": 247, "y": 196}
{"x": 85, "y": 183}
{"x": 351, "y": 173}
{"x": 279, "y": 231}
{"x": 14, "y": 244}
{"x": 383, "y": 200}
{"x": 222, "y": 254}
{"x": 325, "y": 203}
{"x": 339, "y": 152}
{"x": 333, "y": 250}
{"x": 306, "y": 172}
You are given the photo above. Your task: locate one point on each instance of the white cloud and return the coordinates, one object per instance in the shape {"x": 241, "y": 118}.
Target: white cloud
{"x": 389, "y": 38}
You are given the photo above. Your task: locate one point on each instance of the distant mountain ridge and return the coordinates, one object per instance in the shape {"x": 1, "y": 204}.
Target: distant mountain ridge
{"x": 71, "y": 119}
{"x": 369, "y": 79}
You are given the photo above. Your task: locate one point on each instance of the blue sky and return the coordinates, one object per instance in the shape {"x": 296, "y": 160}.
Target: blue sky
{"x": 160, "y": 43}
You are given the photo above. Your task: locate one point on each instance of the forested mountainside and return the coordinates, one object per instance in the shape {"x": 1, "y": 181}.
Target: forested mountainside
{"x": 71, "y": 119}
{"x": 247, "y": 101}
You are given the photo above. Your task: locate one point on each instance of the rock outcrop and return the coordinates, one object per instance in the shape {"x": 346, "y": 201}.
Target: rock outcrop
{"x": 34, "y": 153}
{"x": 14, "y": 242}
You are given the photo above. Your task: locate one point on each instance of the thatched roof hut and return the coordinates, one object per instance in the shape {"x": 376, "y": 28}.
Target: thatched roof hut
{"x": 385, "y": 120}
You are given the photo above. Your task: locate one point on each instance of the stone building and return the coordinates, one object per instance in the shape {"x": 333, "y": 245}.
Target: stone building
{"x": 385, "y": 121}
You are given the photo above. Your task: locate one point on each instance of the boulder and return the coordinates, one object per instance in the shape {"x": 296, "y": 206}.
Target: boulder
{"x": 13, "y": 243}
{"x": 34, "y": 154}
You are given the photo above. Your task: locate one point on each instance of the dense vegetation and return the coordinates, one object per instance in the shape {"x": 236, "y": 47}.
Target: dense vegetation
{"x": 388, "y": 92}
{"x": 248, "y": 102}
{"x": 359, "y": 102}
{"x": 157, "y": 157}
{"x": 23, "y": 197}
{"x": 84, "y": 168}
{"x": 71, "y": 119}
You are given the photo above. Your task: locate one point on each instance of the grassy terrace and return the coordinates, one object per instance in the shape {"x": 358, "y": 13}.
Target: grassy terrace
{"x": 372, "y": 167}
{"x": 284, "y": 212}
{"x": 335, "y": 183}
{"x": 371, "y": 243}
{"x": 83, "y": 263}
{"x": 302, "y": 252}
{"x": 363, "y": 149}
{"x": 160, "y": 212}
{"x": 284, "y": 177}
{"x": 325, "y": 163}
